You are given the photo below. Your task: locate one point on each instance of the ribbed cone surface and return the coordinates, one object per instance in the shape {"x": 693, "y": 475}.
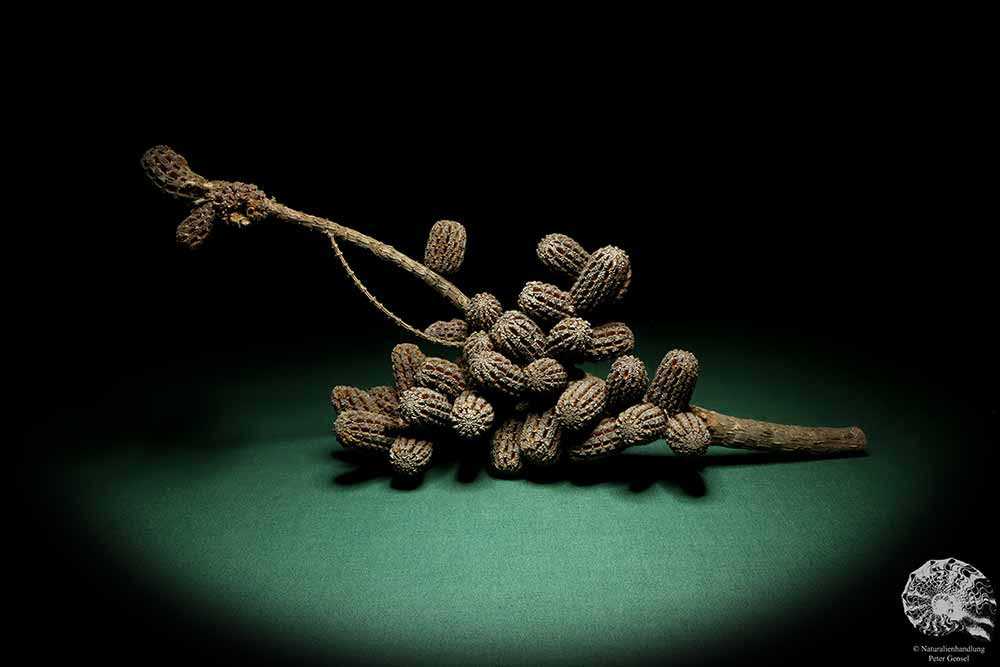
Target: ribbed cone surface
{"x": 687, "y": 434}
{"x": 441, "y": 375}
{"x": 471, "y": 415}
{"x": 582, "y": 403}
{"x": 425, "y": 408}
{"x": 627, "y": 382}
{"x": 540, "y": 437}
{"x": 674, "y": 381}
{"x": 518, "y": 336}
{"x": 445, "y": 247}
{"x": 483, "y": 311}
{"x": 406, "y": 359}
{"x": 410, "y": 456}
{"x": 641, "y": 424}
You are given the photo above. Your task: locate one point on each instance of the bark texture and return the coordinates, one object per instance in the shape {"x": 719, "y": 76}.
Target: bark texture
{"x": 751, "y": 434}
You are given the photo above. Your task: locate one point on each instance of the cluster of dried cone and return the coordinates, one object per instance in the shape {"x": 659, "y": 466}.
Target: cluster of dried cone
{"x": 515, "y": 384}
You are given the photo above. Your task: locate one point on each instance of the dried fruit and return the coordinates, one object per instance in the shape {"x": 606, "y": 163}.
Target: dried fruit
{"x": 582, "y": 403}
{"x": 540, "y": 438}
{"x": 471, "y": 415}
{"x": 545, "y": 376}
{"x": 386, "y": 398}
{"x": 196, "y": 228}
{"x": 627, "y": 382}
{"x": 600, "y": 280}
{"x": 410, "y": 456}
{"x": 406, "y": 360}
{"x": 687, "y": 435}
{"x": 545, "y": 302}
{"x": 478, "y": 341}
{"x": 603, "y": 441}
{"x": 494, "y": 372}
{"x": 482, "y": 311}
{"x": 425, "y": 408}
{"x": 371, "y": 432}
{"x": 505, "y": 452}
{"x": 517, "y": 336}
{"x": 441, "y": 375}
{"x": 445, "y": 247}
{"x": 641, "y": 424}
{"x": 609, "y": 341}
{"x": 562, "y": 255}
{"x": 171, "y": 173}
{"x": 453, "y": 330}
{"x": 673, "y": 383}
{"x": 569, "y": 339}
{"x": 344, "y": 398}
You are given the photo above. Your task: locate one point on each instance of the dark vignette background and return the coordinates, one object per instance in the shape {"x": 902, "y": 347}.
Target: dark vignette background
{"x": 829, "y": 207}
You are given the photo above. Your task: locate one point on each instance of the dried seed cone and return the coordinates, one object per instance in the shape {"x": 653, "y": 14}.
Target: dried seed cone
{"x": 602, "y": 441}
{"x": 406, "y": 360}
{"x": 569, "y": 339}
{"x": 478, "y": 341}
{"x": 545, "y": 376}
{"x": 517, "y": 336}
{"x": 483, "y": 311}
{"x": 445, "y": 247}
{"x": 425, "y": 408}
{"x": 410, "y": 456}
{"x": 545, "y": 302}
{"x": 386, "y": 398}
{"x": 540, "y": 437}
{"x": 627, "y": 382}
{"x": 453, "y": 330}
{"x": 582, "y": 403}
{"x": 673, "y": 383}
{"x": 170, "y": 172}
{"x": 600, "y": 280}
{"x": 505, "y": 450}
{"x": 609, "y": 341}
{"x": 371, "y": 432}
{"x": 344, "y": 398}
{"x": 471, "y": 415}
{"x": 196, "y": 227}
{"x": 562, "y": 255}
{"x": 441, "y": 375}
{"x": 687, "y": 434}
{"x": 494, "y": 372}
{"x": 641, "y": 424}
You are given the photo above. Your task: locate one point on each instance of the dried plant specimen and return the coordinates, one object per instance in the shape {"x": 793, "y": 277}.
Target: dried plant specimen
{"x": 516, "y": 383}
{"x": 406, "y": 360}
{"x": 410, "y": 456}
{"x": 445, "y": 247}
{"x": 641, "y": 424}
{"x": 545, "y": 302}
{"x": 471, "y": 415}
{"x": 367, "y": 431}
{"x": 627, "y": 382}
{"x": 441, "y": 375}
{"x": 425, "y": 408}
{"x": 540, "y": 437}
{"x": 505, "y": 452}
{"x": 582, "y": 403}
{"x": 673, "y": 384}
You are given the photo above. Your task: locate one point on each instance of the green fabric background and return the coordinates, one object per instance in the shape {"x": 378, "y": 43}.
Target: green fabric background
{"x": 248, "y": 514}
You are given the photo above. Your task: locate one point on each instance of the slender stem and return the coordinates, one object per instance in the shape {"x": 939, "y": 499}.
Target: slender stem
{"x": 382, "y": 250}
{"x": 751, "y": 434}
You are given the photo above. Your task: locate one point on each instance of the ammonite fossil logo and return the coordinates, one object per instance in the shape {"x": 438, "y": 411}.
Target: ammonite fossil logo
{"x": 946, "y": 596}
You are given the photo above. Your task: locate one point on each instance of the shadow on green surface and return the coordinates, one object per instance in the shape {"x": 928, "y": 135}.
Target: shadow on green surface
{"x": 638, "y": 472}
